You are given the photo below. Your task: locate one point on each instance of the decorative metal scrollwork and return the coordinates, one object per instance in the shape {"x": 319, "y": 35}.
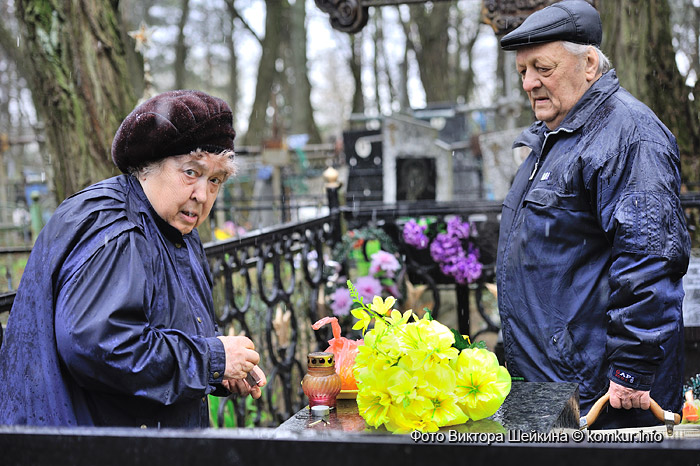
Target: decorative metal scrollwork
{"x": 346, "y": 15}
{"x": 259, "y": 280}
{"x": 505, "y": 15}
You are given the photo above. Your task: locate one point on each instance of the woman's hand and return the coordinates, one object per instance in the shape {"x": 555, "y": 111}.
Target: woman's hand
{"x": 241, "y": 358}
{"x": 243, "y": 387}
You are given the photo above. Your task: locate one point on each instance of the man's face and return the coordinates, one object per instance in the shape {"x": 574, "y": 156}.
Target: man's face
{"x": 554, "y": 80}
{"x": 184, "y": 189}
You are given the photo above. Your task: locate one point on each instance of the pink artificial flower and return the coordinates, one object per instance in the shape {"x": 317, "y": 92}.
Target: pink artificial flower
{"x": 382, "y": 260}
{"x": 341, "y": 302}
{"x": 368, "y": 287}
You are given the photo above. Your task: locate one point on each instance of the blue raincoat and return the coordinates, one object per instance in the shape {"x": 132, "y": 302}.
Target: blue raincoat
{"x": 592, "y": 249}
{"x": 113, "y": 322}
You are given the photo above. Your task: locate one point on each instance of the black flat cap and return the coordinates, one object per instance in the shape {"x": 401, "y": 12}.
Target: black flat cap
{"x": 569, "y": 20}
{"x": 173, "y": 123}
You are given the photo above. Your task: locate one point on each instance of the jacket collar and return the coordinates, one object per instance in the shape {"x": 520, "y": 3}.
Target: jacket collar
{"x": 604, "y": 87}
{"x": 142, "y": 204}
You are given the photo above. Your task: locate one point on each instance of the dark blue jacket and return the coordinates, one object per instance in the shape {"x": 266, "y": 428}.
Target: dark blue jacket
{"x": 113, "y": 321}
{"x": 592, "y": 249}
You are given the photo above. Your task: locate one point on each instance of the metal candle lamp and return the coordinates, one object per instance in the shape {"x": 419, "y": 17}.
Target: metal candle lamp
{"x": 321, "y": 384}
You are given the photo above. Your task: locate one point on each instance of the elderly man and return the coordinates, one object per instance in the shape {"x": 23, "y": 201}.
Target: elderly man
{"x": 593, "y": 242}
{"x": 113, "y": 323}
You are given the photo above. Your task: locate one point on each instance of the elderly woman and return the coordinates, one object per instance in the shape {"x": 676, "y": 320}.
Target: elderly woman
{"x": 113, "y": 323}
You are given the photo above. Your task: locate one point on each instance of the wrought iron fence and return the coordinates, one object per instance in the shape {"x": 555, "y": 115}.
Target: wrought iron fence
{"x": 268, "y": 286}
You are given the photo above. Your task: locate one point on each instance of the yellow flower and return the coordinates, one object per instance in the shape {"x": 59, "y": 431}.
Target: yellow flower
{"x": 373, "y": 398}
{"x": 482, "y": 384}
{"x": 411, "y": 377}
{"x": 366, "y": 371}
{"x": 403, "y": 421}
{"x": 428, "y": 343}
{"x": 440, "y": 335}
{"x": 439, "y": 391}
{"x": 381, "y": 306}
{"x": 403, "y": 386}
{"x": 363, "y": 319}
{"x": 446, "y": 412}
{"x": 396, "y": 318}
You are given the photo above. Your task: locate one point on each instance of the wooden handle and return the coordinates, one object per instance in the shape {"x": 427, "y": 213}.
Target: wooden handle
{"x": 596, "y": 409}
{"x": 603, "y": 400}
{"x": 659, "y": 413}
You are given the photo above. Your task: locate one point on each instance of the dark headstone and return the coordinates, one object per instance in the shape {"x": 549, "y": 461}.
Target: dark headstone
{"x": 530, "y": 406}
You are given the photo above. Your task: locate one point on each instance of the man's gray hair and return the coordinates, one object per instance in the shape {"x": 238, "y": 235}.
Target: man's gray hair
{"x": 604, "y": 64}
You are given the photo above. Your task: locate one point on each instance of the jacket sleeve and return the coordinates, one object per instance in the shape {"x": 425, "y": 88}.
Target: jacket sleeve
{"x": 640, "y": 211}
{"x": 105, "y": 338}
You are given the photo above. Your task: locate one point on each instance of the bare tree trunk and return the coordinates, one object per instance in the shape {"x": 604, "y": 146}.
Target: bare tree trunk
{"x": 432, "y": 54}
{"x": 404, "y": 101}
{"x": 303, "y": 116}
{"x": 376, "y": 43}
{"x": 637, "y": 38}
{"x": 80, "y": 84}
{"x": 181, "y": 47}
{"x": 466, "y": 38}
{"x": 257, "y": 122}
{"x": 233, "y": 88}
{"x": 384, "y": 61}
{"x": 358, "y": 97}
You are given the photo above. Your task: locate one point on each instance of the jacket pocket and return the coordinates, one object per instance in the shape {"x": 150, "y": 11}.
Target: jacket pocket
{"x": 555, "y": 229}
{"x": 552, "y": 199}
{"x": 574, "y": 364}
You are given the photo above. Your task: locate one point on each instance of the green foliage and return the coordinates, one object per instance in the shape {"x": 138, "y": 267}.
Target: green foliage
{"x": 251, "y": 413}
{"x": 16, "y": 268}
{"x": 229, "y": 416}
{"x": 464, "y": 343}
{"x": 694, "y": 385}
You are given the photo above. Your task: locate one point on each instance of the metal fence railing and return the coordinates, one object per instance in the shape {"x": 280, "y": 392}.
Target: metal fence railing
{"x": 272, "y": 284}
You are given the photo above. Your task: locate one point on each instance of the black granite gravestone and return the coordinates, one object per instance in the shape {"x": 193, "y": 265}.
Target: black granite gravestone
{"x": 530, "y": 406}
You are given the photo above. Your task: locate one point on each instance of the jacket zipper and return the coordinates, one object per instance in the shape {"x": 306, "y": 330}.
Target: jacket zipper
{"x": 544, "y": 144}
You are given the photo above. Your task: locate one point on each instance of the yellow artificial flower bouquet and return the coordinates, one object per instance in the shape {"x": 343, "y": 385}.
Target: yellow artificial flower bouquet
{"x": 416, "y": 374}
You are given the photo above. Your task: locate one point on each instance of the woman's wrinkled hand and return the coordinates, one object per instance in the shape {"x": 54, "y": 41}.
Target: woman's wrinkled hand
{"x": 241, "y": 358}
{"x": 242, "y": 387}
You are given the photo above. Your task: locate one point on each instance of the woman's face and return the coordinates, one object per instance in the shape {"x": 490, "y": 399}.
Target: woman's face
{"x": 183, "y": 188}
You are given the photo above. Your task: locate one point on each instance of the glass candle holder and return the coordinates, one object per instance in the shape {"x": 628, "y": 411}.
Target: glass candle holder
{"x": 321, "y": 384}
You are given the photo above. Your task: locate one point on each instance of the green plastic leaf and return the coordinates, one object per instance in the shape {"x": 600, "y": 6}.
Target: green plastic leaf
{"x": 460, "y": 342}
{"x": 481, "y": 344}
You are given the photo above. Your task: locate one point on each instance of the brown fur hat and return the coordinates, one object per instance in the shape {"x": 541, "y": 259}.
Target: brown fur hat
{"x": 173, "y": 123}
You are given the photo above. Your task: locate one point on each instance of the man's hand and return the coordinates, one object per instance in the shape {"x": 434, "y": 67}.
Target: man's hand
{"x": 623, "y": 397}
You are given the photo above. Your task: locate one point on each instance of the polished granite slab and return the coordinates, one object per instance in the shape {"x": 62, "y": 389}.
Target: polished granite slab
{"x": 530, "y": 406}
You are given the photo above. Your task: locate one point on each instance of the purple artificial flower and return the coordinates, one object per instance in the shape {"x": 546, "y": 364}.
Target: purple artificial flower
{"x": 383, "y": 261}
{"x": 444, "y": 247}
{"x": 464, "y": 269}
{"x": 368, "y": 287}
{"x": 413, "y": 235}
{"x": 457, "y": 228}
{"x": 474, "y": 251}
{"x": 474, "y": 268}
{"x": 341, "y": 302}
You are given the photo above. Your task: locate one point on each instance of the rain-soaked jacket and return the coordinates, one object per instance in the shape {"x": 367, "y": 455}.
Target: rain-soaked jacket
{"x": 113, "y": 321}
{"x": 592, "y": 249}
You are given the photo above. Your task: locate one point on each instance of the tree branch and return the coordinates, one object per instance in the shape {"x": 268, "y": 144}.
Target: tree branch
{"x": 234, "y": 13}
